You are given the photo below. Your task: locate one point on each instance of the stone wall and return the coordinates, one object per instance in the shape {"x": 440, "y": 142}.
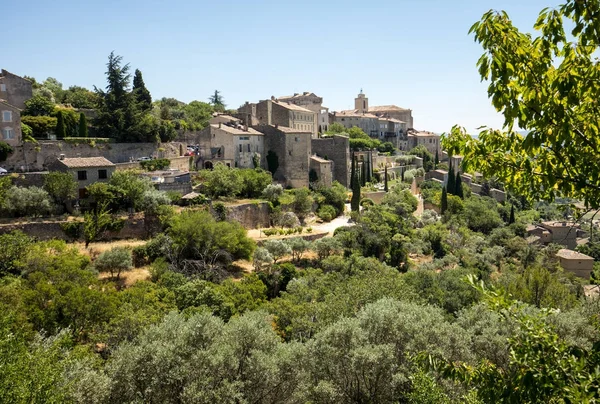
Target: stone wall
{"x": 36, "y": 157}
{"x": 18, "y": 89}
{"x": 177, "y": 163}
{"x": 182, "y": 188}
{"x": 250, "y": 215}
{"x": 293, "y": 150}
{"x": 377, "y": 197}
{"x": 323, "y": 169}
{"x": 336, "y": 149}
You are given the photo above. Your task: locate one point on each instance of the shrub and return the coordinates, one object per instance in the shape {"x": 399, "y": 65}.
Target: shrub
{"x": 32, "y": 201}
{"x": 262, "y": 258}
{"x": 5, "y": 150}
{"x": 254, "y": 182}
{"x": 156, "y": 164}
{"x": 289, "y": 219}
{"x": 327, "y": 213}
{"x": 269, "y": 232}
{"x": 222, "y": 181}
{"x": 277, "y": 248}
{"x": 272, "y": 192}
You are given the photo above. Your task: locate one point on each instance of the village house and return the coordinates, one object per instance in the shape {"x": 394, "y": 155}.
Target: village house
{"x": 321, "y": 171}
{"x": 10, "y": 121}
{"x": 580, "y": 264}
{"x": 313, "y": 103}
{"x": 429, "y": 140}
{"x": 276, "y": 112}
{"x": 85, "y": 170}
{"x": 231, "y": 143}
{"x": 14, "y": 89}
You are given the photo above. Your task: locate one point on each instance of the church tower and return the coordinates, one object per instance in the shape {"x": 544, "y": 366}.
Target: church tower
{"x": 361, "y": 103}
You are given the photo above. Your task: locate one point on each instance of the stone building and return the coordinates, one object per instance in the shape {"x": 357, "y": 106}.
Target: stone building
{"x": 322, "y": 169}
{"x": 222, "y": 118}
{"x": 430, "y": 140}
{"x": 233, "y": 144}
{"x": 580, "y": 264}
{"x": 276, "y": 112}
{"x": 291, "y": 148}
{"x": 85, "y": 170}
{"x": 313, "y": 103}
{"x": 14, "y": 89}
{"x": 10, "y": 124}
{"x": 337, "y": 150}
{"x": 369, "y": 123}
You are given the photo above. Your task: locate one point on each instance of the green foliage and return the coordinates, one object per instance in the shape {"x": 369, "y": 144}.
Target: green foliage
{"x": 481, "y": 214}
{"x": 73, "y": 229}
{"x": 444, "y": 204}
{"x": 98, "y": 221}
{"x": 140, "y": 92}
{"x": 38, "y": 106}
{"x": 272, "y": 192}
{"x": 79, "y": 97}
{"x": 458, "y": 187}
{"x": 254, "y": 182}
{"x": 62, "y": 187}
{"x": 355, "y": 200}
{"x": 40, "y": 125}
{"x": 155, "y": 164}
{"x": 217, "y": 101}
{"x": 303, "y": 202}
{"x": 5, "y": 151}
{"x": 31, "y": 201}
{"x": 61, "y": 130}
{"x": 277, "y": 248}
{"x": 114, "y": 261}
{"x": 27, "y": 133}
{"x": 222, "y": 181}
{"x": 14, "y": 248}
{"x": 130, "y": 186}
{"x": 326, "y": 213}
{"x": 422, "y": 152}
{"x": 83, "y": 127}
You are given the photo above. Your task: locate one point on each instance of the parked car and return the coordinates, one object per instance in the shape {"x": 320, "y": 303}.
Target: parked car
{"x": 144, "y": 158}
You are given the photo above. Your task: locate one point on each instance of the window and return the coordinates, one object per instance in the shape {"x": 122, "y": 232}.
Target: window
{"x": 83, "y": 193}
{"x": 8, "y": 134}
{"x": 2, "y": 87}
{"x": 6, "y": 116}
{"x": 102, "y": 174}
{"x": 296, "y": 139}
{"x": 249, "y": 148}
{"x": 240, "y": 148}
{"x": 290, "y": 152}
{"x": 82, "y": 175}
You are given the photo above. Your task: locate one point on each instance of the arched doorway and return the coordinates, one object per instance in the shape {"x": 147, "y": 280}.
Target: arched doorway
{"x": 208, "y": 165}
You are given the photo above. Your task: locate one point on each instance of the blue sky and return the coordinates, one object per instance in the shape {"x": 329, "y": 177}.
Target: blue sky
{"x": 415, "y": 54}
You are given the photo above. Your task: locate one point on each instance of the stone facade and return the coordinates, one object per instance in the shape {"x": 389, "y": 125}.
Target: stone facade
{"x": 10, "y": 124}
{"x": 276, "y": 112}
{"x": 564, "y": 233}
{"x": 393, "y": 111}
{"x": 337, "y": 150}
{"x": 323, "y": 169}
{"x": 15, "y": 89}
{"x": 293, "y": 150}
{"x": 36, "y": 157}
{"x": 313, "y": 103}
{"x": 369, "y": 123}
{"x": 429, "y": 140}
{"x": 232, "y": 144}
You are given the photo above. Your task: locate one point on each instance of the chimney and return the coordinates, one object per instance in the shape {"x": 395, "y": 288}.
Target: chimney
{"x": 245, "y": 128}
{"x": 220, "y": 123}
{"x": 61, "y": 157}
{"x": 272, "y": 98}
{"x": 276, "y": 126}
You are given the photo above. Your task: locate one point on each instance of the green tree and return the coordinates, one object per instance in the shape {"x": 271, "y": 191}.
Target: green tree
{"x": 140, "y": 92}
{"x": 15, "y": 246}
{"x": 217, "y": 101}
{"x": 79, "y": 97}
{"x": 31, "y": 201}
{"x": 451, "y": 183}
{"x": 223, "y": 181}
{"x": 511, "y": 219}
{"x": 437, "y": 159}
{"x": 355, "y": 200}
{"x": 40, "y": 125}
{"x": 38, "y": 106}
{"x": 61, "y": 130}
{"x": 83, "y": 128}
{"x": 5, "y": 151}
{"x": 62, "y": 187}
{"x": 546, "y": 85}
{"x": 114, "y": 261}
{"x": 272, "y": 161}
{"x": 422, "y": 152}
{"x": 131, "y": 186}
{"x": 444, "y": 206}
{"x": 303, "y": 202}
{"x": 458, "y": 186}
{"x": 335, "y": 128}
{"x": 352, "y": 171}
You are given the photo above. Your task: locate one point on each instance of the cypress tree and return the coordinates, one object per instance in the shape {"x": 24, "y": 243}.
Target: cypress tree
{"x": 352, "y": 172}
{"x": 355, "y": 201}
{"x": 451, "y": 184}
{"x": 83, "y": 129}
{"x": 385, "y": 179}
{"x": 363, "y": 173}
{"x": 437, "y": 159}
{"x": 61, "y": 130}
{"x": 444, "y": 206}
{"x": 140, "y": 92}
{"x": 458, "y": 185}
{"x": 511, "y": 219}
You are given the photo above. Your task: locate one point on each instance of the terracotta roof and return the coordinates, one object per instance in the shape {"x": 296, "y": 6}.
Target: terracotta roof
{"x": 558, "y": 223}
{"x": 82, "y": 162}
{"x": 292, "y": 107}
{"x": 236, "y": 131}
{"x": 573, "y": 255}
{"x": 231, "y": 118}
{"x": 286, "y": 129}
{"x": 423, "y": 134}
{"x": 383, "y": 108}
{"x": 298, "y": 95}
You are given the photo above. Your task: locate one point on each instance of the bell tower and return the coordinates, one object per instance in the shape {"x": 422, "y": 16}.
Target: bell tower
{"x": 361, "y": 103}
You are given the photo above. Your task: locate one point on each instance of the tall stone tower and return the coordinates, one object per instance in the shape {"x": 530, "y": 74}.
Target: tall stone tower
{"x": 361, "y": 103}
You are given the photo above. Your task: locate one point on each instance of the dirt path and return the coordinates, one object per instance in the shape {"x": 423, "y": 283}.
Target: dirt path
{"x": 419, "y": 211}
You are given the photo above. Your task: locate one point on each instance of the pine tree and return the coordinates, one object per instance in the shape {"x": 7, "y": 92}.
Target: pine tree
{"x": 437, "y": 159}
{"x": 444, "y": 206}
{"x": 459, "y": 189}
{"x": 385, "y": 179}
{"x": 451, "y": 184}
{"x": 355, "y": 201}
{"x": 140, "y": 92}
{"x": 511, "y": 219}
{"x": 83, "y": 129}
{"x": 217, "y": 101}
{"x": 61, "y": 130}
